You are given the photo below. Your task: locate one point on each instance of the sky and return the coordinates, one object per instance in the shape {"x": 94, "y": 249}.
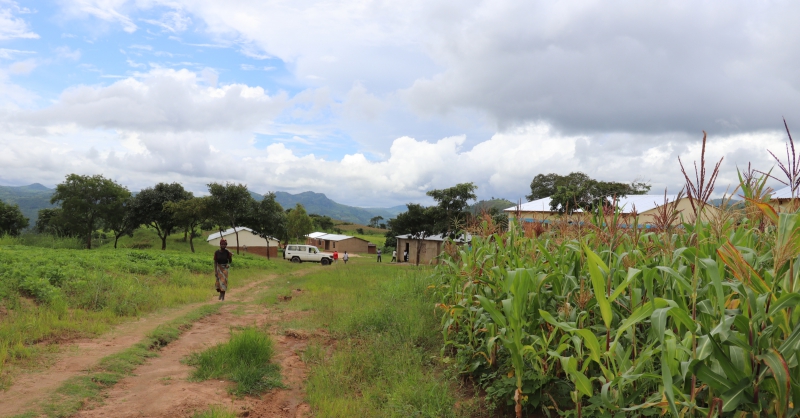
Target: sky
{"x": 376, "y": 102}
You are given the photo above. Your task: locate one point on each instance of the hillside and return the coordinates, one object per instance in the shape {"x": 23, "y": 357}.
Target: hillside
{"x": 321, "y": 205}
{"x": 35, "y": 196}
{"x": 30, "y": 198}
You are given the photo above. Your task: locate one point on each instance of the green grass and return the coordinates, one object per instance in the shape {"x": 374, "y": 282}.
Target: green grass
{"x": 51, "y": 295}
{"x": 245, "y": 360}
{"x": 385, "y": 361}
{"x": 216, "y": 411}
{"x": 77, "y": 391}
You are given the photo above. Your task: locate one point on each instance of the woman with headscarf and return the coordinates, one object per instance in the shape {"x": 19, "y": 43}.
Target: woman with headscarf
{"x": 222, "y": 261}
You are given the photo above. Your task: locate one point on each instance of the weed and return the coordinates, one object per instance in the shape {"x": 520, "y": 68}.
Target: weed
{"x": 245, "y": 359}
{"x": 216, "y": 411}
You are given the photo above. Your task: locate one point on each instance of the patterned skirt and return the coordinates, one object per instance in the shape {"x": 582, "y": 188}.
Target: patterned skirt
{"x": 222, "y": 277}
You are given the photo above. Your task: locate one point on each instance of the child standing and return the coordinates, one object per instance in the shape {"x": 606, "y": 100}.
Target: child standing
{"x": 345, "y": 257}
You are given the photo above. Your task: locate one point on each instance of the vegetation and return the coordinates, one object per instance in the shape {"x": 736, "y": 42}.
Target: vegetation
{"x": 245, "y": 359}
{"x": 579, "y": 191}
{"x": 596, "y": 320}
{"x": 12, "y": 221}
{"x": 86, "y": 202}
{"x": 384, "y": 362}
{"x": 298, "y": 223}
{"x": 149, "y": 208}
{"x": 267, "y": 219}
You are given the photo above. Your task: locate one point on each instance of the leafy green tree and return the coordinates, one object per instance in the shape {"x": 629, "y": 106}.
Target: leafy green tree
{"x": 298, "y": 223}
{"x": 230, "y": 205}
{"x": 268, "y": 220}
{"x": 452, "y": 208}
{"x": 12, "y": 221}
{"x": 148, "y": 208}
{"x": 322, "y": 222}
{"x": 49, "y": 221}
{"x": 579, "y": 191}
{"x": 375, "y": 221}
{"x": 418, "y": 221}
{"x": 86, "y": 202}
{"x": 190, "y": 214}
{"x": 121, "y": 220}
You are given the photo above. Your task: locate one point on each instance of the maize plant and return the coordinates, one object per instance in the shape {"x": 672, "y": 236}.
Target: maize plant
{"x": 603, "y": 321}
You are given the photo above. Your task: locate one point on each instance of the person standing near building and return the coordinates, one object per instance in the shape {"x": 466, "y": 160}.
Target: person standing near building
{"x": 345, "y": 257}
{"x": 394, "y": 256}
{"x": 405, "y": 256}
{"x": 335, "y": 256}
{"x": 379, "y": 255}
{"x": 222, "y": 262}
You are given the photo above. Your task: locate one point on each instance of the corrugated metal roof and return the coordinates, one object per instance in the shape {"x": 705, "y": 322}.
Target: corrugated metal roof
{"x": 785, "y": 193}
{"x": 330, "y": 237}
{"x": 227, "y": 232}
{"x": 642, "y": 203}
{"x": 438, "y": 237}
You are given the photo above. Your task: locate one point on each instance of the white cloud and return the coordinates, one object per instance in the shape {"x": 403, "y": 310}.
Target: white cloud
{"x": 68, "y": 53}
{"x": 162, "y": 100}
{"x": 22, "y": 67}
{"x": 11, "y": 26}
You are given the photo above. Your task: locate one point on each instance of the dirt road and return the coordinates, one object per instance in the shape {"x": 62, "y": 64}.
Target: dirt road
{"x": 159, "y": 388}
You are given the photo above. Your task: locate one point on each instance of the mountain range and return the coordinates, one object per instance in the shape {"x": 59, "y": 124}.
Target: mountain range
{"x": 35, "y": 196}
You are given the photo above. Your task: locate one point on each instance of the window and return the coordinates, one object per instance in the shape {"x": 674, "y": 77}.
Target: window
{"x": 292, "y": 248}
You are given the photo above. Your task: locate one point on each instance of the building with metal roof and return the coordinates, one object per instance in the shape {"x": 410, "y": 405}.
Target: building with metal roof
{"x": 249, "y": 242}
{"x": 340, "y": 243}
{"x": 429, "y": 247}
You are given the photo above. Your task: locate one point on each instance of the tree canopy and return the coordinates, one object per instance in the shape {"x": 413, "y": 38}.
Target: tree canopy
{"x": 230, "y": 205}
{"x": 577, "y": 190}
{"x": 86, "y": 202}
{"x": 148, "y": 208}
{"x": 299, "y": 224}
{"x": 452, "y": 208}
{"x": 12, "y": 221}
{"x": 267, "y": 219}
{"x": 189, "y": 214}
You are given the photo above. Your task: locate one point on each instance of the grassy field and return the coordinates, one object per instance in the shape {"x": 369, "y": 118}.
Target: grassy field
{"x": 385, "y": 359}
{"x": 51, "y": 295}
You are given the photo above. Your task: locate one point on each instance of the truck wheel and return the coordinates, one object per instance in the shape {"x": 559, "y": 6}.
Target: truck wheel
{"x": 325, "y": 261}
{"x": 296, "y": 259}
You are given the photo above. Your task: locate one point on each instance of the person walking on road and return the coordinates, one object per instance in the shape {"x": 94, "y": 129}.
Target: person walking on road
{"x": 345, "y": 257}
{"x": 379, "y": 255}
{"x": 394, "y": 256}
{"x": 222, "y": 262}
{"x": 335, "y": 256}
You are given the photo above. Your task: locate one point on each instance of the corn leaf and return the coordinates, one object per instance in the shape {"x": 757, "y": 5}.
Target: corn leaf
{"x": 596, "y": 269}
{"x": 780, "y": 372}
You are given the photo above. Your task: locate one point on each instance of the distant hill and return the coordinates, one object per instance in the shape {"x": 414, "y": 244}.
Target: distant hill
{"x": 30, "y": 198}
{"x": 321, "y": 205}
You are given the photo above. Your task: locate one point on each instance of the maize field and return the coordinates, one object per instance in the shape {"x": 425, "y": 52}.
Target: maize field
{"x": 695, "y": 318}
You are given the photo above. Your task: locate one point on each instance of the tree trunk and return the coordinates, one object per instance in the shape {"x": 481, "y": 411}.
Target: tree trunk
{"x": 89, "y": 241}
{"x": 267, "y": 239}
{"x": 116, "y": 238}
{"x": 185, "y": 233}
{"x": 419, "y": 247}
{"x": 191, "y": 241}
{"x": 235, "y": 231}
{"x": 164, "y": 242}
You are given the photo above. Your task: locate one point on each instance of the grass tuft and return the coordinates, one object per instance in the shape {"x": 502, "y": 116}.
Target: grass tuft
{"x": 245, "y": 359}
{"x": 216, "y": 411}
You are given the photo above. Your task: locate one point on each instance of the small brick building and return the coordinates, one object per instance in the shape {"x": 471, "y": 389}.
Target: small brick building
{"x": 340, "y": 243}
{"x": 249, "y": 242}
{"x": 430, "y": 247}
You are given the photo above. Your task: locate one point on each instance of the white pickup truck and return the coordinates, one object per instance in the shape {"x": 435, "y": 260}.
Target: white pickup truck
{"x": 300, "y": 253}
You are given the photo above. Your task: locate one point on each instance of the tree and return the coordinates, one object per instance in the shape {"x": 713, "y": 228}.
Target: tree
{"x": 86, "y": 202}
{"x": 189, "y": 214}
{"x": 49, "y": 221}
{"x": 230, "y": 205}
{"x": 121, "y": 220}
{"x": 322, "y": 222}
{"x": 418, "y": 222}
{"x": 452, "y": 207}
{"x": 298, "y": 223}
{"x": 268, "y": 220}
{"x": 579, "y": 191}
{"x": 12, "y": 221}
{"x": 148, "y": 208}
{"x": 375, "y": 221}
